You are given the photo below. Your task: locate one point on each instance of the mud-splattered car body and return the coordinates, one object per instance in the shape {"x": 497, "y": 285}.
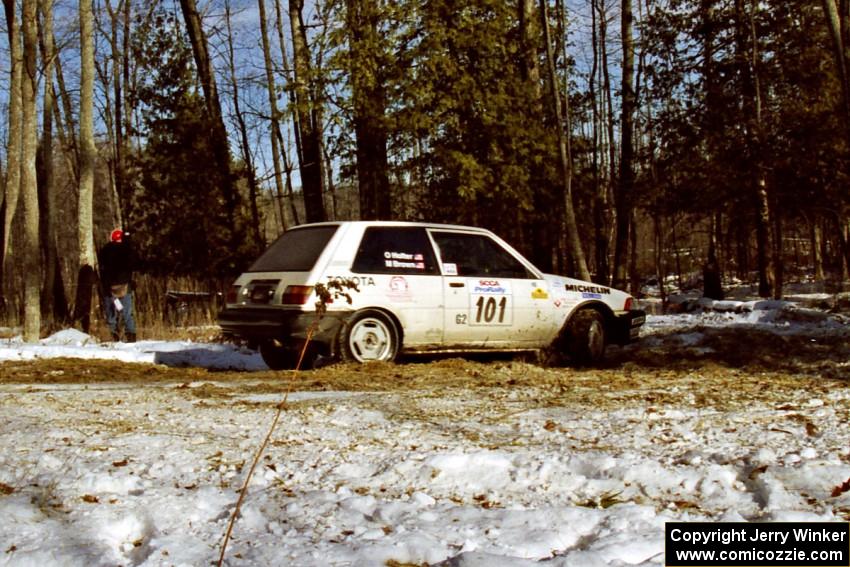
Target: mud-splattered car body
{"x": 416, "y": 287}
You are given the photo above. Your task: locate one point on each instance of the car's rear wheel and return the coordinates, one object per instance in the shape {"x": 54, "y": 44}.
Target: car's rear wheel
{"x": 586, "y": 340}
{"x": 278, "y": 357}
{"x": 369, "y": 336}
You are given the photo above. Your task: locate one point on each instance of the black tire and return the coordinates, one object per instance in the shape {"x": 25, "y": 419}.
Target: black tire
{"x": 369, "y": 336}
{"x": 585, "y": 337}
{"x": 278, "y": 357}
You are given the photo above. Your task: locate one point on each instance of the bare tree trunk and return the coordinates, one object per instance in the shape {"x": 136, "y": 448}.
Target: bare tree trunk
{"x": 712, "y": 276}
{"x": 815, "y": 243}
{"x": 54, "y": 303}
{"x": 85, "y": 234}
{"x": 660, "y": 258}
{"x": 570, "y": 226}
{"x": 213, "y": 105}
{"x": 369, "y": 97}
{"x": 610, "y": 213}
{"x": 275, "y": 114}
{"x": 601, "y": 205}
{"x": 678, "y": 256}
{"x": 117, "y": 17}
{"x": 13, "y": 163}
{"x": 633, "y": 275}
{"x": 67, "y": 127}
{"x": 529, "y": 43}
{"x": 329, "y": 171}
{"x": 287, "y": 164}
{"x": 838, "y": 22}
{"x": 127, "y": 108}
{"x": 624, "y": 197}
{"x": 712, "y": 272}
{"x": 108, "y": 117}
{"x": 253, "y": 188}
{"x": 547, "y": 253}
{"x": 310, "y": 157}
{"x": 837, "y": 31}
{"x": 29, "y": 183}
{"x": 844, "y": 232}
{"x": 749, "y": 61}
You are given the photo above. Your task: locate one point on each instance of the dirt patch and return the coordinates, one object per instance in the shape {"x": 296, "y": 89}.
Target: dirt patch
{"x": 822, "y": 355}
{"x": 717, "y": 368}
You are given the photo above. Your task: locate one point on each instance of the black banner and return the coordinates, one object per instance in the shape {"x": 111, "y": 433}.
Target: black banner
{"x": 744, "y": 544}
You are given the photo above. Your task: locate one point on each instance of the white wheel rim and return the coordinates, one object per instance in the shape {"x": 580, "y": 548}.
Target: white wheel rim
{"x": 370, "y": 339}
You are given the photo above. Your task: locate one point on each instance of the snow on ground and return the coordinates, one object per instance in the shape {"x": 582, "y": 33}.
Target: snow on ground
{"x": 111, "y": 473}
{"x": 75, "y": 344}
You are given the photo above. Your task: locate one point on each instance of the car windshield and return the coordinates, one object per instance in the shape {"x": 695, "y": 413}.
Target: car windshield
{"x": 295, "y": 251}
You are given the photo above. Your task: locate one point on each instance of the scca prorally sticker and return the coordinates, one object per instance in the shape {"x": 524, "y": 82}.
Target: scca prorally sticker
{"x": 489, "y": 287}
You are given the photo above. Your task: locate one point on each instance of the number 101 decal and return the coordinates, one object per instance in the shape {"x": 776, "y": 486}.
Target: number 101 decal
{"x": 490, "y": 310}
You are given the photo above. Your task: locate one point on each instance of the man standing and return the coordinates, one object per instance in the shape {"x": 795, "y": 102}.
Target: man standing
{"x": 117, "y": 260}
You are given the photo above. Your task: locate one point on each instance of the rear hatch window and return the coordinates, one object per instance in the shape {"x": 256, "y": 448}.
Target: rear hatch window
{"x": 295, "y": 251}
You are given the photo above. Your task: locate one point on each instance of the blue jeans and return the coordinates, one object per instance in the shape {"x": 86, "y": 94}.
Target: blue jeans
{"x": 126, "y": 312}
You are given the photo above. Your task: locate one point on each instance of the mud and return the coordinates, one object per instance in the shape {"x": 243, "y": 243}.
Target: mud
{"x": 723, "y": 368}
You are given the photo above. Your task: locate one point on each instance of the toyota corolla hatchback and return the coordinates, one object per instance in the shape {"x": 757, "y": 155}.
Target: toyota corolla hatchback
{"x": 370, "y": 291}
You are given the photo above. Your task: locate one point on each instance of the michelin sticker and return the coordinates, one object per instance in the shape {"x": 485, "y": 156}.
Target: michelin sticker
{"x": 588, "y": 289}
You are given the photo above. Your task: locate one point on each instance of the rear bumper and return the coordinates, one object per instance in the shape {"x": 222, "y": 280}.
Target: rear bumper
{"x": 626, "y": 327}
{"x": 287, "y": 326}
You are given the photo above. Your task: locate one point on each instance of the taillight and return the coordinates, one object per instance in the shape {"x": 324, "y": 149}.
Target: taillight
{"x": 296, "y": 294}
{"x": 233, "y": 294}
{"x": 628, "y": 305}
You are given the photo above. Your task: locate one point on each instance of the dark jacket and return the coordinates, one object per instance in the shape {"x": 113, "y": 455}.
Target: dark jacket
{"x": 117, "y": 261}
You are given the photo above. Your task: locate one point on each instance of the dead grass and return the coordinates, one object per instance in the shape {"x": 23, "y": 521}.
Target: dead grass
{"x": 727, "y": 370}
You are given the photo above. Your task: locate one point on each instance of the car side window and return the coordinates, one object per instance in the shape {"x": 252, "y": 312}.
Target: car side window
{"x": 395, "y": 250}
{"x": 478, "y": 255}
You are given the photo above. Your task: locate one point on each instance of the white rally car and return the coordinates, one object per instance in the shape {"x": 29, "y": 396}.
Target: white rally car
{"x": 416, "y": 288}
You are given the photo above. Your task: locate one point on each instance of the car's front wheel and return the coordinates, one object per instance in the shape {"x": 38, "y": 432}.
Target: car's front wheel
{"x": 585, "y": 337}
{"x": 369, "y": 336}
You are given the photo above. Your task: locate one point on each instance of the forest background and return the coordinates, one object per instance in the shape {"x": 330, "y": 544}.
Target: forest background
{"x": 613, "y": 140}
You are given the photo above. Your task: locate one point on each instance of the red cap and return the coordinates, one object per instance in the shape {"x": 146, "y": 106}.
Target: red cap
{"x": 116, "y": 235}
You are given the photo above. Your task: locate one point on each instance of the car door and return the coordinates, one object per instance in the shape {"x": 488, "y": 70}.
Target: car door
{"x": 493, "y": 299}
{"x": 401, "y": 275}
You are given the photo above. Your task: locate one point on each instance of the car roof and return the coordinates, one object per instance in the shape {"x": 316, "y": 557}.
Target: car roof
{"x": 394, "y": 224}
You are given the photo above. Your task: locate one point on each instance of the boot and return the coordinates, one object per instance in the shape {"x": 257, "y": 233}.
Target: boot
{"x": 116, "y": 337}
{"x": 131, "y": 337}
